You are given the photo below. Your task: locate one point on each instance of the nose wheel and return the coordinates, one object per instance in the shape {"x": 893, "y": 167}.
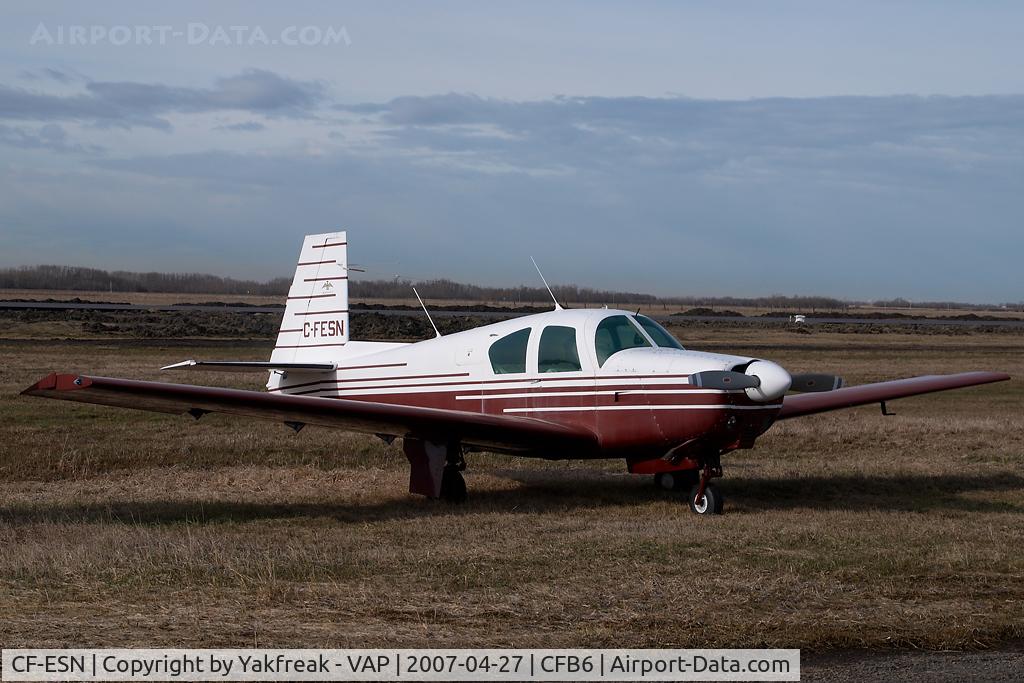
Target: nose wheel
{"x": 706, "y": 502}
{"x": 705, "y": 498}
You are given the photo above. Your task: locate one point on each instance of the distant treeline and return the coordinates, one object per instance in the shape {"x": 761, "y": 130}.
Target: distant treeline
{"x": 72, "y": 278}
{"x": 571, "y": 294}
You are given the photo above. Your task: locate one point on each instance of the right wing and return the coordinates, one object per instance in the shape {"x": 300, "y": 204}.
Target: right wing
{"x": 809, "y": 404}
{"x": 506, "y": 433}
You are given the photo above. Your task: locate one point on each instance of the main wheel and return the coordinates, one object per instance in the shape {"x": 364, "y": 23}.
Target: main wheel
{"x": 680, "y": 480}
{"x": 453, "y": 485}
{"x": 710, "y": 503}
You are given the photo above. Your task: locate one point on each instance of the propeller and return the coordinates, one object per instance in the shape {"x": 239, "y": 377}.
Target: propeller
{"x": 764, "y": 381}
{"x": 811, "y": 382}
{"x": 724, "y": 379}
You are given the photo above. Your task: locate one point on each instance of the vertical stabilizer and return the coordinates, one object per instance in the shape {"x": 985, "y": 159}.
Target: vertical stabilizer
{"x": 315, "y": 325}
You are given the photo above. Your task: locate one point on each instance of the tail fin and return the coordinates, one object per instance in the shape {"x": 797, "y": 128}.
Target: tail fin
{"x": 315, "y": 324}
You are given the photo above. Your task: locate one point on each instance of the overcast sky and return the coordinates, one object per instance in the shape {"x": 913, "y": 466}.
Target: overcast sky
{"x": 859, "y": 150}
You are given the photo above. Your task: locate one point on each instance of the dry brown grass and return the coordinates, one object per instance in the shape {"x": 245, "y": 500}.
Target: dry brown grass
{"x": 842, "y": 530}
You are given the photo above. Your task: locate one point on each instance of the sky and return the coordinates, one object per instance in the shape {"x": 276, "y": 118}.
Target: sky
{"x": 858, "y": 150}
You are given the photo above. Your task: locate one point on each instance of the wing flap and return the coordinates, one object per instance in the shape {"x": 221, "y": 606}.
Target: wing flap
{"x": 865, "y": 394}
{"x": 497, "y": 432}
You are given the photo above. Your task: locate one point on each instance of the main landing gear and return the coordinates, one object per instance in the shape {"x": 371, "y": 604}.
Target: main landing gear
{"x": 435, "y": 469}
{"x": 453, "y": 484}
{"x": 704, "y": 497}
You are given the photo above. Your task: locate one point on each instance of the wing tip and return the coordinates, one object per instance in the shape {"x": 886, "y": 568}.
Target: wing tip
{"x": 986, "y": 376}
{"x": 56, "y": 382}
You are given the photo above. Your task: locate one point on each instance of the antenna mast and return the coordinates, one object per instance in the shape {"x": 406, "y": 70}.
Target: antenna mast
{"x": 427, "y": 312}
{"x": 558, "y": 306}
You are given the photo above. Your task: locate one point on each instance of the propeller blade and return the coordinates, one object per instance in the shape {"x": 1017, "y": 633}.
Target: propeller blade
{"x": 724, "y": 379}
{"x": 810, "y": 382}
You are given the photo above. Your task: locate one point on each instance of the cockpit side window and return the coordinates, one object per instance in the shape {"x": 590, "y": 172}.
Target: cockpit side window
{"x": 659, "y": 334}
{"x": 615, "y": 334}
{"x": 558, "y": 350}
{"x": 508, "y": 354}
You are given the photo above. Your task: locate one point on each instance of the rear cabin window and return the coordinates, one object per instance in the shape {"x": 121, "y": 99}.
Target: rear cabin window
{"x": 616, "y": 334}
{"x": 508, "y": 354}
{"x": 558, "y": 350}
{"x": 659, "y": 334}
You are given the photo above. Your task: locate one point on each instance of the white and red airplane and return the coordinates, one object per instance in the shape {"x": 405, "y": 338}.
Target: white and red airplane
{"x": 593, "y": 383}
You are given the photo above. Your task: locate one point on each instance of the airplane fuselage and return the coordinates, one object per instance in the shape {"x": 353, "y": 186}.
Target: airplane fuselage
{"x": 563, "y": 366}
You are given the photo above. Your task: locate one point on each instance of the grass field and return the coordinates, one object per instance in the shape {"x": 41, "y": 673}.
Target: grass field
{"x": 846, "y": 530}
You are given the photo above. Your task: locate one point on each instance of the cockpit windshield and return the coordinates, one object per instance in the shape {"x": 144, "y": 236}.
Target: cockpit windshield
{"x": 658, "y": 333}
{"x": 616, "y": 333}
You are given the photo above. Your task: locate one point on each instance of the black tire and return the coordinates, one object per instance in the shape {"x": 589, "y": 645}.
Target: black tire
{"x": 680, "y": 480}
{"x": 453, "y": 485}
{"x": 712, "y": 501}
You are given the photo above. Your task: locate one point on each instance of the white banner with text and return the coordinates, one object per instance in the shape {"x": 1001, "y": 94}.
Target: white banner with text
{"x": 396, "y": 665}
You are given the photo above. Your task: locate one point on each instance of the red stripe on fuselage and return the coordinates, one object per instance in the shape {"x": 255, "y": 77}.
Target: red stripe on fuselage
{"x": 520, "y": 380}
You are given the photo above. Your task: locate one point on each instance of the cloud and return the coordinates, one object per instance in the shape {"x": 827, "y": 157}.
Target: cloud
{"x": 245, "y": 126}
{"x": 127, "y": 104}
{"x": 50, "y": 136}
{"x": 635, "y": 193}
{"x": 880, "y": 141}
{"x": 64, "y": 77}
{"x": 253, "y": 90}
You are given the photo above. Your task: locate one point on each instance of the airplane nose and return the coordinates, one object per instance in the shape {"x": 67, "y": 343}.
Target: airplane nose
{"x": 775, "y": 381}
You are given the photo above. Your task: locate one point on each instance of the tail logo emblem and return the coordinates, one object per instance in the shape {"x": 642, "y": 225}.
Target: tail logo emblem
{"x": 328, "y": 285}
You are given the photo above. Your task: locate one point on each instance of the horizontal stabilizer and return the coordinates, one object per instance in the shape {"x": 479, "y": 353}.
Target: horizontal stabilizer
{"x": 251, "y": 366}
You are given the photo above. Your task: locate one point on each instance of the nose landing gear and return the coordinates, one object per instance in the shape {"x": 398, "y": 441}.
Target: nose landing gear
{"x": 706, "y": 502}
{"x": 694, "y": 480}
{"x": 705, "y": 498}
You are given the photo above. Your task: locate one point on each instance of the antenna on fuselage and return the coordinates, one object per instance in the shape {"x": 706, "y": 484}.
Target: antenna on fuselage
{"x": 558, "y": 306}
{"x": 438, "y": 333}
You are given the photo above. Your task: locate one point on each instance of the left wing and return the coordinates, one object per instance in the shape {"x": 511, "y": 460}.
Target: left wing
{"x": 809, "y": 404}
{"x": 507, "y": 433}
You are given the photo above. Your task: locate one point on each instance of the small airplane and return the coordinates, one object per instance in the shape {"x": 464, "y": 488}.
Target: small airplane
{"x": 565, "y": 384}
